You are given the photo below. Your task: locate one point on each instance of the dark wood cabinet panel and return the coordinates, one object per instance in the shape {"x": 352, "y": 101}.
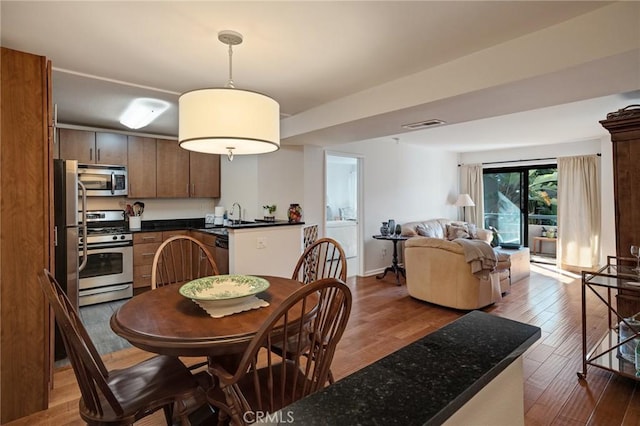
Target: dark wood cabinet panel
{"x": 111, "y": 148}
{"x": 220, "y": 256}
{"x": 204, "y": 175}
{"x": 77, "y": 145}
{"x": 92, "y": 147}
{"x": 624, "y": 127}
{"x": 172, "y": 179}
{"x": 141, "y": 166}
{"x": 26, "y": 245}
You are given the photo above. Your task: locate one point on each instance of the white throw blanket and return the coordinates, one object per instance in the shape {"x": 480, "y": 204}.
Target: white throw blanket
{"x": 479, "y": 255}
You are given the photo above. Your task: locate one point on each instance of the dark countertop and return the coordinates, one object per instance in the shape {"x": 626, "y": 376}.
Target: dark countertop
{"x": 199, "y": 224}
{"x": 423, "y": 383}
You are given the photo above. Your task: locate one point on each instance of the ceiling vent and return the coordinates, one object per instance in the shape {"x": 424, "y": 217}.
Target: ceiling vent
{"x": 424, "y": 124}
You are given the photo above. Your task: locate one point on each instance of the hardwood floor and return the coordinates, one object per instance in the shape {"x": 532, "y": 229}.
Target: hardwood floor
{"x": 384, "y": 318}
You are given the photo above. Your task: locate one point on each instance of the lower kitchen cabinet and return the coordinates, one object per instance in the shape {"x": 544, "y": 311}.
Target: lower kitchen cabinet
{"x": 145, "y": 245}
{"x": 209, "y": 240}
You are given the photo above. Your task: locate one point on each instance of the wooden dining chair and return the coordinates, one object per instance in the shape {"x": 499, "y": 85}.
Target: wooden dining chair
{"x": 120, "y": 397}
{"x": 180, "y": 259}
{"x": 265, "y": 382}
{"x": 324, "y": 258}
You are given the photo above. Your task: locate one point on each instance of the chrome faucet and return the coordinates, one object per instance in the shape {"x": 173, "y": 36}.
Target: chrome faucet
{"x": 233, "y": 207}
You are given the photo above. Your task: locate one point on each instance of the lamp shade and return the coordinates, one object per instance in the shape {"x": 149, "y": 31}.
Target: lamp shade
{"x": 464, "y": 200}
{"x": 220, "y": 120}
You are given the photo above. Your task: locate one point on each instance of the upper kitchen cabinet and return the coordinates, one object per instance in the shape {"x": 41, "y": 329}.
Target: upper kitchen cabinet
{"x": 183, "y": 174}
{"x": 204, "y": 175}
{"x": 93, "y": 147}
{"x": 141, "y": 166}
{"x": 172, "y": 177}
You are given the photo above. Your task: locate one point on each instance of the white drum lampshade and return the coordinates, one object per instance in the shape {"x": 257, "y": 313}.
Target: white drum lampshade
{"x": 228, "y": 121}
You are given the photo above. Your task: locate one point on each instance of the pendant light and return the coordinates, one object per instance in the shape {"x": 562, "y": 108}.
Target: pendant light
{"x": 228, "y": 120}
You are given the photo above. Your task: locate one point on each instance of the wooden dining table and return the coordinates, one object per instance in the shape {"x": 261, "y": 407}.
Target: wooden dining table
{"x": 163, "y": 321}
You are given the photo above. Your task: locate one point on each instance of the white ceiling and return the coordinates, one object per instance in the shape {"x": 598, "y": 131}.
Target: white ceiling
{"x": 311, "y": 56}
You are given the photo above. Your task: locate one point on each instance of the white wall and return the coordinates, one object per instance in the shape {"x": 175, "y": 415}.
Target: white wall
{"x": 159, "y": 208}
{"x": 586, "y": 147}
{"x": 280, "y": 181}
{"x": 402, "y": 182}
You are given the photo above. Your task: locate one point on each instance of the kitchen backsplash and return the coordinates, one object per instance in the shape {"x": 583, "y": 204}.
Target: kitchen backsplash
{"x": 157, "y": 209}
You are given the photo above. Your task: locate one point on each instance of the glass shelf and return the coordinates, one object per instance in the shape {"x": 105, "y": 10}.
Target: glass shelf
{"x": 614, "y": 280}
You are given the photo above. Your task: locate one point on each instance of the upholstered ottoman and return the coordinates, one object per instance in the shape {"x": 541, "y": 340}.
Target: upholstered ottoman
{"x": 504, "y": 270}
{"x": 519, "y": 262}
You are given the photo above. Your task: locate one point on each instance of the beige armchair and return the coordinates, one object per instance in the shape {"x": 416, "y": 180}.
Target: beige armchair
{"x": 437, "y": 271}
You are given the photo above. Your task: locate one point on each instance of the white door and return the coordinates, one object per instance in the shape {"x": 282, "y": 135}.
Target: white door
{"x": 343, "y": 204}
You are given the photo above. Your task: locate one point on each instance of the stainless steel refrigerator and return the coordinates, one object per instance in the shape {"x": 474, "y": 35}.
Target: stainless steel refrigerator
{"x": 67, "y": 191}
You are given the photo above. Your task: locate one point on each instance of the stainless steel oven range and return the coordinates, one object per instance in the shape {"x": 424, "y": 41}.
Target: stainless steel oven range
{"x": 108, "y": 274}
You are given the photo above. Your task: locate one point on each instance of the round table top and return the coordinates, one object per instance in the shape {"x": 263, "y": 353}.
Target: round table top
{"x": 165, "y": 322}
{"x": 391, "y": 237}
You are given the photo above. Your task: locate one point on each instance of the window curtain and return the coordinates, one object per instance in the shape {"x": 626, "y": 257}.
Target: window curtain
{"x": 471, "y": 183}
{"x": 578, "y": 211}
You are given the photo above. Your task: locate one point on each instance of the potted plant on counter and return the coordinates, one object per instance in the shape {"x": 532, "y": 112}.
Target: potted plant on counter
{"x": 268, "y": 212}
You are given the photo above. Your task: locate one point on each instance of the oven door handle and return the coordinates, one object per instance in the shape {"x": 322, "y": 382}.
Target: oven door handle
{"x": 84, "y": 224}
{"x": 103, "y": 247}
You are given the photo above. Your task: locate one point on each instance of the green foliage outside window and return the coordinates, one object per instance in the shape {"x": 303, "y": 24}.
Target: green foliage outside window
{"x": 543, "y": 196}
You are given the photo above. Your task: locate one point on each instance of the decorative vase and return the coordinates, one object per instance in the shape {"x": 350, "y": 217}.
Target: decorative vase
{"x": 392, "y": 226}
{"x": 384, "y": 229}
{"x": 294, "y": 213}
{"x": 398, "y": 230}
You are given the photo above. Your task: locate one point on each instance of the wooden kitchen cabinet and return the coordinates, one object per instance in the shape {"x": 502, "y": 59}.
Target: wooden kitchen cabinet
{"x": 204, "y": 175}
{"x": 92, "y": 147}
{"x": 220, "y": 256}
{"x": 145, "y": 245}
{"x": 77, "y": 145}
{"x": 26, "y": 246}
{"x": 141, "y": 167}
{"x": 111, "y": 148}
{"x": 209, "y": 240}
{"x": 183, "y": 174}
{"x": 172, "y": 178}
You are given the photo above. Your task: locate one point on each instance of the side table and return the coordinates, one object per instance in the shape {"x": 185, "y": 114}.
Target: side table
{"x": 537, "y": 243}
{"x": 394, "y": 268}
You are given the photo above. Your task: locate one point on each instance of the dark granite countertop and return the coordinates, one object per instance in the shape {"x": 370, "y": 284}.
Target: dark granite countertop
{"x": 198, "y": 224}
{"x": 423, "y": 383}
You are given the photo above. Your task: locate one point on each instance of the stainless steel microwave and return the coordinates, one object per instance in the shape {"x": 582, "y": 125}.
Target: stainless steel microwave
{"x": 101, "y": 180}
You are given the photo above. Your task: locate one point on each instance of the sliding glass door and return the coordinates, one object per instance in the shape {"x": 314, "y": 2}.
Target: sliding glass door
{"x": 503, "y": 205}
{"x": 517, "y": 197}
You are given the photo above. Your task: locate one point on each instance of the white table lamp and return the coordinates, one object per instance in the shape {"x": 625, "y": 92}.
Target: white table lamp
{"x": 464, "y": 201}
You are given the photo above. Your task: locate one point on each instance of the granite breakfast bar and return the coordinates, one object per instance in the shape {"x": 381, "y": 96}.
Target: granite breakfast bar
{"x": 469, "y": 372}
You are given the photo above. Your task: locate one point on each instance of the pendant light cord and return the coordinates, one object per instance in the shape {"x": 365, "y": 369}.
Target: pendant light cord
{"x": 230, "y": 82}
